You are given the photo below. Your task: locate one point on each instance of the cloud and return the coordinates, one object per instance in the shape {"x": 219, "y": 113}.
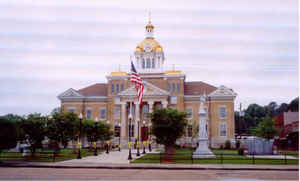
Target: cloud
{"x": 52, "y": 45}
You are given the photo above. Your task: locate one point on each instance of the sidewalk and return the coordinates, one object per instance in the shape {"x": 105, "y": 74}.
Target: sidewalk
{"x": 119, "y": 160}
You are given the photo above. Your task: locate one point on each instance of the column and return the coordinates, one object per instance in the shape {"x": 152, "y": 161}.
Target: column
{"x": 123, "y": 120}
{"x": 165, "y": 104}
{"x": 150, "y": 106}
{"x": 137, "y": 118}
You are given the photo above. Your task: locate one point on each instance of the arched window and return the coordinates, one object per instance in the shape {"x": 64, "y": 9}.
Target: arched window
{"x": 143, "y": 64}
{"x": 148, "y": 63}
{"x": 153, "y": 63}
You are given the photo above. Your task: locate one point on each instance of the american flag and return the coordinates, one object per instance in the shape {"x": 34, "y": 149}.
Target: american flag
{"x": 137, "y": 80}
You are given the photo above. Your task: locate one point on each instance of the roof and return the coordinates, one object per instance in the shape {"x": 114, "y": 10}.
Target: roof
{"x": 290, "y": 117}
{"x": 94, "y": 90}
{"x": 197, "y": 88}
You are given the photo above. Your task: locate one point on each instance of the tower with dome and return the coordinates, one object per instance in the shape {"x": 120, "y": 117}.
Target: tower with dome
{"x": 110, "y": 101}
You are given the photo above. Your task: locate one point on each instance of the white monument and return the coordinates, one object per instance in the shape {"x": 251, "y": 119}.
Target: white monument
{"x": 202, "y": 150}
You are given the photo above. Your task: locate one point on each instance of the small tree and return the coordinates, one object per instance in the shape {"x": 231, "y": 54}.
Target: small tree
{"x": 8, "y": 133}
{"x": 266, "y": 129}
{"x": 35, "y": 130}
{"x": 167, "y": 126}
{"x": 62, "y": 128}
{"x": 97, "y": 131}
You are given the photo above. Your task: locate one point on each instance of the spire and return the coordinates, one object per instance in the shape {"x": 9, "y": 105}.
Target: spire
{"x": 149, "y": 17}
{"x": 149, "y": 27}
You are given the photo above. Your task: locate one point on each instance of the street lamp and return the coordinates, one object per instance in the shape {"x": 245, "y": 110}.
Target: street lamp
{"x": 149, "y": 142}
{"x": 144, "y": 142}
{"x": 95, "y": 141}
{"x": 129, "y": 135}
{"x": 119, "y": 136}
{"x": 107, "y": 142}
{"x": 138, "y": 141}
{"x": 79, "y": 142}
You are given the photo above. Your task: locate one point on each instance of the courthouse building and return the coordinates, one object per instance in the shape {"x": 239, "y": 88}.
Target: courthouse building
{"x": 110, "y": 101}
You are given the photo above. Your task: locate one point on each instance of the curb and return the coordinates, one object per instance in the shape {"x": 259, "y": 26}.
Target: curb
{"x": 146, "y": 167}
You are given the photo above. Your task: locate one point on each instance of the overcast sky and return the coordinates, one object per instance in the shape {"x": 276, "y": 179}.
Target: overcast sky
{"x": 49, "y": 46}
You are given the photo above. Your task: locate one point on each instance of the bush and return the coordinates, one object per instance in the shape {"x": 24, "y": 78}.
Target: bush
{"x": 228, "y": 144}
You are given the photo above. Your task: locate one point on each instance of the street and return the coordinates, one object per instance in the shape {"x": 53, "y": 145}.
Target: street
{"x": 141, "y": 174}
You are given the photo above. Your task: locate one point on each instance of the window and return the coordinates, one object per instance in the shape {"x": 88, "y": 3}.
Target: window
{"x": 112, "y": 88}
{"x": 103, "y": 114}
{"x": 153, "y": 63}
{"x": 190, "y": 130}
{"x": 117, "y": 113}
{"x": 169, "y": 87}
{"x": 148, "y": 63}
{"x": 117, "y": 131}
{"x": 178, "y": 87}
{"x": 72, "y": 110}
{"x": 223, "y": 129}
{"x": 189, "y": 112}
{"x": 122, "y": 87}
{"x": 173, "y": 100}
{"x": 145, "y": 111}
{"x": 173, "y": 87}
{"x": 143, "y": 64}
{"x": 222, "y": 112}
{"x": 117, "y": 88}
{"x": 88, "y": 114}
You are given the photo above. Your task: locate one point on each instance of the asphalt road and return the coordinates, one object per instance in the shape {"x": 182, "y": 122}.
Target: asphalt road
{"x": 132, "y": 174}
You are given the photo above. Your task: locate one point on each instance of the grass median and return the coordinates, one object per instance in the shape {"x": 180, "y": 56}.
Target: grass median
{"x": 184, "y": 156}
{"x": 45, "y": 155}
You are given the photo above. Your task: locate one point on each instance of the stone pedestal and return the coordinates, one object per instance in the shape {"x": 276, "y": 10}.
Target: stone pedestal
{"x": 202, "y": 150}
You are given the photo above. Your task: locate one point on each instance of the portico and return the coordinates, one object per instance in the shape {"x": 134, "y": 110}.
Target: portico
{"x": 138, "y": 126}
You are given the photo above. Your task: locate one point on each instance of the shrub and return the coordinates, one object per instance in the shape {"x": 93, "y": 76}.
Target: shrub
{"x": 241, "y": 151}
{"x": 227, "y": 144}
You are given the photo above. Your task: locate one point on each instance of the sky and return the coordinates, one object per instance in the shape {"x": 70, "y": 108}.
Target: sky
{"x": 50, "y": 46}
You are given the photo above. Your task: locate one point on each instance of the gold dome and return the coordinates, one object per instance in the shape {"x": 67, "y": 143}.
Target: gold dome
{"x": 156, "y": 47}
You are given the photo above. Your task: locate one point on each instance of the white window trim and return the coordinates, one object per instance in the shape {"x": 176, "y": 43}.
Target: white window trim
{"x": 86, "y": 110}
{"x": 220, "y": 129}
{"x": 102, "y": 108}
{"x": 119, "y": 117}
{"x": 192, "y": 115}
{"x": 223, "y": 106}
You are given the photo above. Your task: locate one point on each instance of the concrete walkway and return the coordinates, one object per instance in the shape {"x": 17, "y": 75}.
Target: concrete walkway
{"x": 116, "y": 157}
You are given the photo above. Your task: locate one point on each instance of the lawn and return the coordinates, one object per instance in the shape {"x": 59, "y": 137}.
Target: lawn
{"x": 45, "y": 155}
{"x": 184, "y": 156}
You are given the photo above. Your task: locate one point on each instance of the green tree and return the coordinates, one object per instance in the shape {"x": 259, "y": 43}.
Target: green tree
{"x": 62, "y": 128}
{"x": 294, "y": 105}
{"x": 167, "y": 126}
{"x": 8, "y": 133}
{"x": 34, "y": 127}
{"x": 266, "y": 129}
{"x": 97, "y": 131}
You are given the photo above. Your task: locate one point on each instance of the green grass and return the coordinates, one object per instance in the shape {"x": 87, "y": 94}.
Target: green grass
{"x": 184, "y": 156}
{"x": 44, "y": 155}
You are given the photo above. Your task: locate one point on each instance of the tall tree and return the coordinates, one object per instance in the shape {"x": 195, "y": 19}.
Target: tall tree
{"x": 167, "y": 126}
{"x": 8, "y": 133}
{"x": 294, "y": 105}
{"x": 35, "y": 130}
{"x": 62, "y": 128}
{"x": 266, "y": 129}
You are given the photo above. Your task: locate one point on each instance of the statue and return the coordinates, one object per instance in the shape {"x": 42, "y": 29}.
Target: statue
{"x": 202, "y": 150}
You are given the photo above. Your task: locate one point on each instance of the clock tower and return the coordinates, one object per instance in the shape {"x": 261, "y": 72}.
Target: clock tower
{"x": 149, "y": 56}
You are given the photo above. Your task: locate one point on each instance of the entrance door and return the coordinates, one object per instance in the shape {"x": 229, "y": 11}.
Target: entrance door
{"x": 144, "y": 133}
